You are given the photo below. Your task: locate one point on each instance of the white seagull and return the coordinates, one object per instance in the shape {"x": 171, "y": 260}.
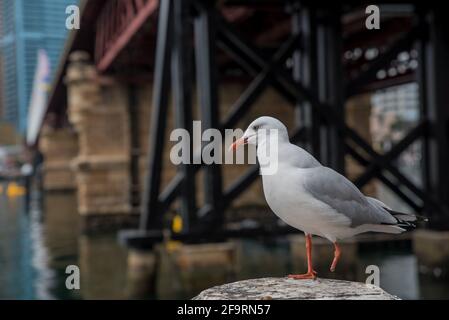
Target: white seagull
{"x": 313, "y": 198}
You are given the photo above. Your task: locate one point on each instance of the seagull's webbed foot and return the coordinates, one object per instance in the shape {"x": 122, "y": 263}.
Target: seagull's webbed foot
{"x": 309, "y": 275}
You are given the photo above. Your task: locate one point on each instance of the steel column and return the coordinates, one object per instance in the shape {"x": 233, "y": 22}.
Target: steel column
{"x": 206, "y": 72}
{"x": 182, "y": 93}
{"x": 151, "y": 217}
{"x": 134, "y": 145}
{"x": 305, "y": 71}
{"x": 330, "y": 86}
{"x": 435, "y": 100}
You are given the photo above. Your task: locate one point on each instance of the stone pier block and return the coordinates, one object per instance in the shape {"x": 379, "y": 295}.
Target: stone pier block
{"x": 285, "y": 288}
{"x": 98, "y": 109}
{"x": 431, "y": 248}
{"x": 141, "y": 274}
{"x": 58, "y": 146}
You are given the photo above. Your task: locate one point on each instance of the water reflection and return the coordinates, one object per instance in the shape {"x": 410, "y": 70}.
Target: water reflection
{"x": 36, "y": 248}
{"x": 16, "y": 272}
{"x": 58, "y": 223}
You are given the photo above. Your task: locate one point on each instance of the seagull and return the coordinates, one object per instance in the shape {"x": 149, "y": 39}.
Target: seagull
{"x": 313, "y": 198}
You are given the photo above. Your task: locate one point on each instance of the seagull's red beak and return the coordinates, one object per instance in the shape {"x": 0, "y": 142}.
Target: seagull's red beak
{"x": 237, "y": 143}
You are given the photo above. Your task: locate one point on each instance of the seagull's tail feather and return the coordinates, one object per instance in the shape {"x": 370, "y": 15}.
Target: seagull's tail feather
{"x": 406, "y": 221}
{"x": 406, "y": 225}
{"x": 407, "y": 216}
{"x": 385, "y": 228}
{"x": 400, "y": 216}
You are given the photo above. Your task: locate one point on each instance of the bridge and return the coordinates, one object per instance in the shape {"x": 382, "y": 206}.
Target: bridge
{"x": 137, "y": 69}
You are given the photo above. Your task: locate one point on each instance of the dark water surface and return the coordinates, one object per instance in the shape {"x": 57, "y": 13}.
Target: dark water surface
{"x": 36, "y": 247}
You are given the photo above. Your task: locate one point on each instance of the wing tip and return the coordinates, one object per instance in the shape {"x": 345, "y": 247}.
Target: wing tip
{"x": 406, "y": 221}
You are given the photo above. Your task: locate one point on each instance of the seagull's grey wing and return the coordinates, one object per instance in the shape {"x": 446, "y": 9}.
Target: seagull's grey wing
{"x": 344, "y": 197}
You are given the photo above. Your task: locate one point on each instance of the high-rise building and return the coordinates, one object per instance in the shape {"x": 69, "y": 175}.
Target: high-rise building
{"x": 25, "y": 27}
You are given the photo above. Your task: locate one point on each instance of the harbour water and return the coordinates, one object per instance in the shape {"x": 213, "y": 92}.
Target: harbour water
{"x": 37, "y": 245}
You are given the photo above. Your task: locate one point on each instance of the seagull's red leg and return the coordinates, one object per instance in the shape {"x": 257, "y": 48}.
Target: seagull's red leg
{"x": 337, "y": 254}
{"x": 311, "y": 274}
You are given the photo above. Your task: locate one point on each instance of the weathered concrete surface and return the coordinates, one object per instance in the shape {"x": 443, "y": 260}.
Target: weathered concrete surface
{"x": 290, "y": 289}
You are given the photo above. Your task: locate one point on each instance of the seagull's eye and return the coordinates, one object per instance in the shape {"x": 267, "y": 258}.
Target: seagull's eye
{"x": 256, "y": 127}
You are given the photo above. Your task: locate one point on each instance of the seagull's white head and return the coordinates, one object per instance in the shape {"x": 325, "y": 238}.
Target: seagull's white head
{"x": 259, "y": 130}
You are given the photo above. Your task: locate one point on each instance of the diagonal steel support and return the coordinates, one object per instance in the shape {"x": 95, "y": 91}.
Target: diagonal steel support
{"x": 246, "y": 56}
{"x": 387, "y": 182}
{"x": 374, "y": 168}
{"x": 256, "y": 87}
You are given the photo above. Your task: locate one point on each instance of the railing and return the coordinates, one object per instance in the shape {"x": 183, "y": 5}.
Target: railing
{"x": 118, "y": 22}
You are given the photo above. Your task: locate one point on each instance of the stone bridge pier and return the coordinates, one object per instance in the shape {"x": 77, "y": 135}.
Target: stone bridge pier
{"x": 97, "y": 110}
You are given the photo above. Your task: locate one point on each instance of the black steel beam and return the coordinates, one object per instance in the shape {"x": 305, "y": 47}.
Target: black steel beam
{"x": 134, "y": 147}
{"x": 151, "y": 217}
{"x": 206, "y": 72}
{"x": 330, "y": 84}
{"x": 434, "y": 83}
{"x": 305, "y": 69}
{"x": 182, "y": 94}
{"x": 141, "y": 239}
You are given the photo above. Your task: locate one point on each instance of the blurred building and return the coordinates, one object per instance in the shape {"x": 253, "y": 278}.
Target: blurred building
{"x": 395, "y": 111}
{"x": 25, "y": 27}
